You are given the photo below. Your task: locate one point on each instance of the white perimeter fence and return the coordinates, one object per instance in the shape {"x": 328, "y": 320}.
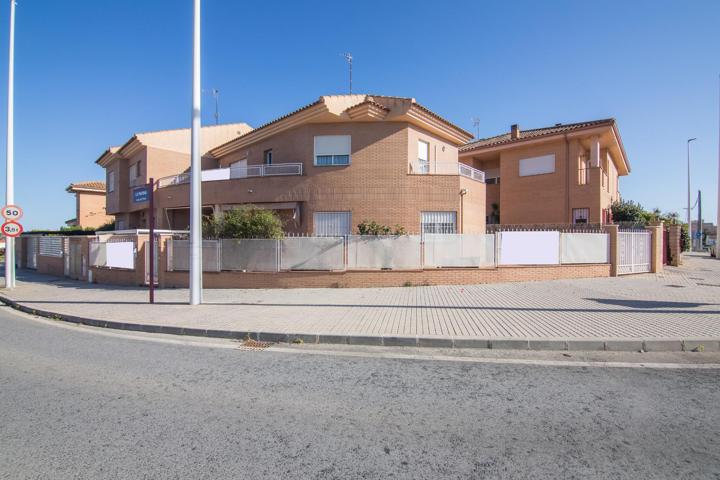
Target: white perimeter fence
{"x": 402, "y": 252}
{"x": 114, "y": 254}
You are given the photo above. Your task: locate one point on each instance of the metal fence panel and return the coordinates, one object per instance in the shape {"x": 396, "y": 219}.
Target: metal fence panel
{"x": 529, "y": 248}
{"x": 98, "y": 254}
{"x": 50, "y": 246}
{"x": 32, "y": 250}
{"x": 584, "y": 248}
{"x": 384, "y": 252}
{"x": 250, "y": 255}
{"x": 312, "y": 253}
{"x": 179, "y": 258}
{"x": 459, "y": 250}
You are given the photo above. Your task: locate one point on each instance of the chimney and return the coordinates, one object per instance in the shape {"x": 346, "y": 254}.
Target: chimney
{"x": 514, "y": 132}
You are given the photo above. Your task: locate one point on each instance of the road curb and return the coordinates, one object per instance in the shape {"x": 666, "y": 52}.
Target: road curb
{"x": 535, "y": 344}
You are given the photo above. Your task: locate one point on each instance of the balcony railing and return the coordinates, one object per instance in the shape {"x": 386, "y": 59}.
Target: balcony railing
{"x": 229, "y": 173}
{"x": 447, "y": 168}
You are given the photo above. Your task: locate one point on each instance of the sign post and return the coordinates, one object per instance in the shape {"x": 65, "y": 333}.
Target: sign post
{"x": 11, "y": 229}
{"x": 151, "y": 253}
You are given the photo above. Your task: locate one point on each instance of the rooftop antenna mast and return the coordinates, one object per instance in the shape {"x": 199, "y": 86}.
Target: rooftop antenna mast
{"x": 476, "y": 124}
{"x": 216, "y": 96}
{"x": 349, "y": 59}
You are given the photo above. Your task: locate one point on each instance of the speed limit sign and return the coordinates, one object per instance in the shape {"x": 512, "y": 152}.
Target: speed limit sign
{"x": 12, "y": 212}
{"x": 11, "y": 229}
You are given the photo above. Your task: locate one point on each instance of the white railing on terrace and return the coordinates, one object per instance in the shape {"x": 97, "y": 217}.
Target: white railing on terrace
{"x": 447, "y": 168}
{"x": 229, "y": 173}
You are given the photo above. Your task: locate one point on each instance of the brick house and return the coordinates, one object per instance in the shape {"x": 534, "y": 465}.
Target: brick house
{"x": 560, "y": 174}
{"x": 325, "y": 168}
{"x": 89, "y": 205}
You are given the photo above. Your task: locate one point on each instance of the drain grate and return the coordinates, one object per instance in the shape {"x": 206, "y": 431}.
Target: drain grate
{"x": 253, "y": 345}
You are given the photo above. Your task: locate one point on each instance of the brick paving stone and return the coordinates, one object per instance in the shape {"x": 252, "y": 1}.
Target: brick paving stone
{"x": 683, "y": 302}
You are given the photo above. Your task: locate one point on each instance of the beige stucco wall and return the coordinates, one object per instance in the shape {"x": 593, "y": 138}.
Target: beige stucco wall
{"x": 90, "y": 210}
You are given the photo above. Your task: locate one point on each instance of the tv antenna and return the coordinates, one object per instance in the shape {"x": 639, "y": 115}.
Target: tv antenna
{"x": 349, "y": 59}
{"x": 476, "y": 124}
{"x": 216, "y": 96}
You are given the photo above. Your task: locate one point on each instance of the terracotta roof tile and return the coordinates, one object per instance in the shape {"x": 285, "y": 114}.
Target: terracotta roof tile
{"x": 534, "y": 133}
{"x": 89, "y": 185}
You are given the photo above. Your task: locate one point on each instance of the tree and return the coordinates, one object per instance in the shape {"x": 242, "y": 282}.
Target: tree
{"x": 244, "y": 222}
{"x": 629, "y": 211}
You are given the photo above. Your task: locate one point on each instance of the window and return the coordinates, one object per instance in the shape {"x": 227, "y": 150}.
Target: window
{"x": 537, "y": 165}
{"x": 439, "y": 222}
{"x": 423, "y": 157}
{"x": 492, "y": 181}
{"x": 583, "y": 170}
{"x": 111, "y": 181}
{"x": 267, "y": 157}
{"x": 580, "y": 215}
{"x": 134, "y": 173}
{"x": 332, "y": 150}
{"x": 332, "y": 223}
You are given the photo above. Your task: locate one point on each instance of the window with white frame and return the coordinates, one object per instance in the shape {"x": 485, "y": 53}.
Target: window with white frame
{"x": 267, "y": 157}
{"x": 111, "y": 181}
{"x": 537, "y": 165}
{"x": 439, "y": 222}
{"x": 580, "y": 215}
{"x": 423, "y": 157}
{"x": 332, "y": 150}
{"x": 134, "y": 173}
{"x": 332, "y": 223}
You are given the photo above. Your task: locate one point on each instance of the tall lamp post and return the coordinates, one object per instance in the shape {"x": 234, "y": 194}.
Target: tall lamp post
{"x": 689, "y": 211}
{"x": 195, "y": 170}
{"x": 10, "y": 159}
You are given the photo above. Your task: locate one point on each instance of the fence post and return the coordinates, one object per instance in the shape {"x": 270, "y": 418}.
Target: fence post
{"x": 613, "y": 232}
{"x": 656, "y": 246}
{"x": 497, "y": 248}
{"x": 675, "y": 245}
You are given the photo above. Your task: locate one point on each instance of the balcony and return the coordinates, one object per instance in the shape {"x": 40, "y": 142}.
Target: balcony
{"x": 231, "y": 173}
{"x": 447, "y": 168}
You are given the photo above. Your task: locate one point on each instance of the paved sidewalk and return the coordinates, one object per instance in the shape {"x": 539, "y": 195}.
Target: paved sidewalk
{"x": 680, "y": 304}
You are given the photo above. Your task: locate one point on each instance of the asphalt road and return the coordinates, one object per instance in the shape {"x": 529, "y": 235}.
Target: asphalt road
{"x": 75, "y": 404}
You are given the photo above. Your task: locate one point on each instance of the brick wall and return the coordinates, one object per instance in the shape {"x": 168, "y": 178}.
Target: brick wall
{"x": 50, "y": 265}
{"x": 359, "y": 279}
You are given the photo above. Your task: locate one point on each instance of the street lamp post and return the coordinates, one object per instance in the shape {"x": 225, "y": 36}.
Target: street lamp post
{"x": 689, "y": 211}
{"x": 195, "y": 170}
{"x": 10, "y": 159}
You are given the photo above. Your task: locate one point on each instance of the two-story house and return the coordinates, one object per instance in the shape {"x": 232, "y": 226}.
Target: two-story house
{"x": 89, "y": 205}
{"x": 333, "y": 164}
{"x": 152, "y": 155}
{"x": 560, "y": 174}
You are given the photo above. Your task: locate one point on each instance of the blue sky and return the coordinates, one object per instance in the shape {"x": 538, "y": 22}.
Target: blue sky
{"x": 91, "y": 73}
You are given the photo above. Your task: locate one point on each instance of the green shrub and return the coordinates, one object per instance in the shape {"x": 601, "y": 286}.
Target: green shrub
{"x": 374, "y": 228}
{"x": 244, "y": 222}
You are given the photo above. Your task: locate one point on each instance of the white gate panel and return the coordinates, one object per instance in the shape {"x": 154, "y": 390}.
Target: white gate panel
{"x": 32, "y": 251}
{"x": 635, "y": 249}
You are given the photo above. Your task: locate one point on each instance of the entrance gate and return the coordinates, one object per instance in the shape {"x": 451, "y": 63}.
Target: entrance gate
{"x": 635, "y": 249}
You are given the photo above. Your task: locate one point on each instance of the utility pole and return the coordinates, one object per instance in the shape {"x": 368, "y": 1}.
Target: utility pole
{"x": 699, "y": 224}
{"x": 195, "y": 170}
{"x": 10, "y": 159}
{"x": 689, "y": 209}
{"x": 349, "y": 58}
{"x": 216, "y": 96}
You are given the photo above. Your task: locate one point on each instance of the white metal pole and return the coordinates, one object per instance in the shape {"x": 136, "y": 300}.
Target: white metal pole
{"x": 195, "y": 171}
{"x": 717, "y": 235}
{"x": 689, "y": 209}
{"x": 10, "y": 172}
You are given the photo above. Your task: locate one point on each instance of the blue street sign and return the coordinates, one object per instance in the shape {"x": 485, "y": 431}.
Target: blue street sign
{"x": 141, "y": 194}
{"x": 698, "y": 234}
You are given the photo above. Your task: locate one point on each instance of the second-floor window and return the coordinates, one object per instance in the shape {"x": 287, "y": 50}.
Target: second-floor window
{"x": 423, "y": 157}
{"x": 332, "y": 150}
{"x": 111, "y": 181}
{"x": 267, "y": 157}
{"x": 134, "y": 173}
{"x": 584, "y": 170}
